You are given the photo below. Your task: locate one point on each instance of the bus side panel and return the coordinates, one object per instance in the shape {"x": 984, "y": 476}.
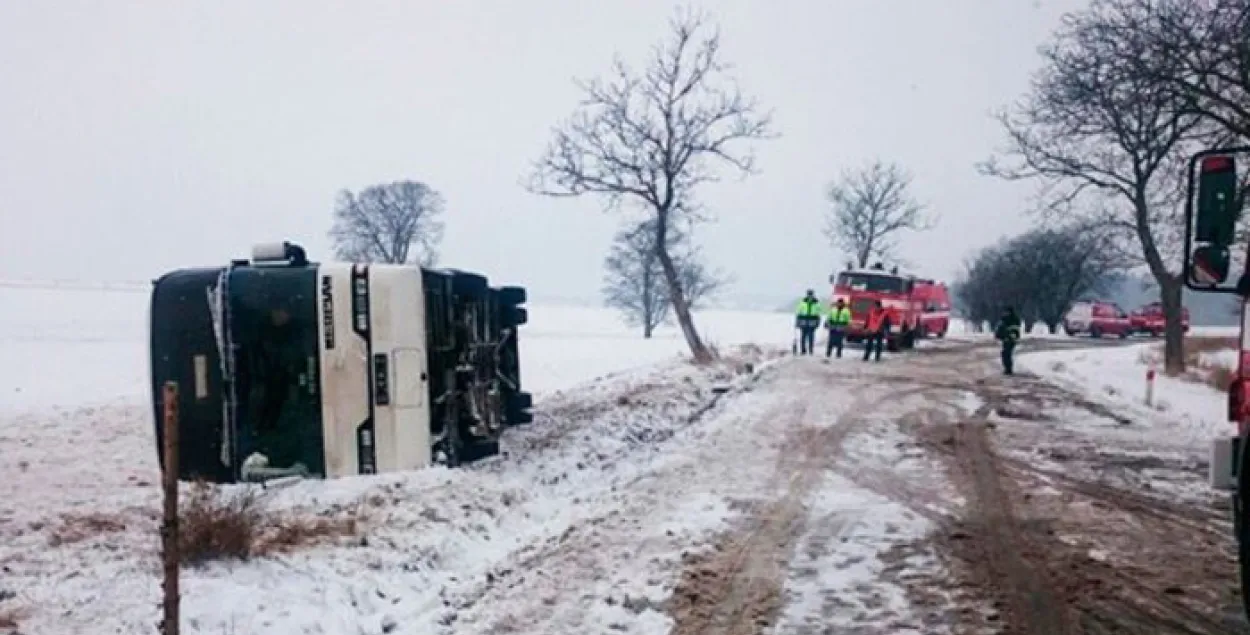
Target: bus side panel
{"x": 401, "y": 409}
{"x": 345, "y": 385}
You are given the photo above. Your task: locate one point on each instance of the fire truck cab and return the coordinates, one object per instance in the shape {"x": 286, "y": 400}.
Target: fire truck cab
{"x": 904, "y": 298}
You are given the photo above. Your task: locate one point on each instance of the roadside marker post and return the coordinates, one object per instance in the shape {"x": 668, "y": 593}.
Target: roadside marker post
{"x": 1150, "y": 386}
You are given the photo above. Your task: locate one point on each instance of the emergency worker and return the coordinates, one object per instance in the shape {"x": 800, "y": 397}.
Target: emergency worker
{"x": 839, "y": 318}
{"x": 807, "y": 319}
{"x": 1008, "y": 332}
{"x": 878, "y": 327}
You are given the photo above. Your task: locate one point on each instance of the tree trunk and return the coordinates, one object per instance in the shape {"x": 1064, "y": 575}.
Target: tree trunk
{"x": 1053, "y": 327}
{"x": 1174, "y": 335}
{"x": 647, "y": 330}
{"x": 1028, "y": 326}
{"x": 681, "y": 308}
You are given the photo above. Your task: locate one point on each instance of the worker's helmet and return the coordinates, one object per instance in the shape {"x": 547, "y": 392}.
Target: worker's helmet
{"x": 810, "y": 292}
{"x": 841, "y": 301}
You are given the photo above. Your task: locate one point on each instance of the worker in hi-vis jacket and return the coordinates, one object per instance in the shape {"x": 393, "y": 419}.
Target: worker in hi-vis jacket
{"x": 837, "y": 322}
{"x": 807, "y": 320}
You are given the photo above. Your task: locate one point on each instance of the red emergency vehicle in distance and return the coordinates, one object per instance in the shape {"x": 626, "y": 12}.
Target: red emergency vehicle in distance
{"x": 1148, "y": 319}
{"x": 935, "y": 308}
{"x": 916, "y": 308}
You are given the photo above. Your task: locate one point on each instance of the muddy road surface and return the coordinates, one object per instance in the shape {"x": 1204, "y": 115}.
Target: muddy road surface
{"x": 924, "y": 494}
{"x": 1079, "y": 517}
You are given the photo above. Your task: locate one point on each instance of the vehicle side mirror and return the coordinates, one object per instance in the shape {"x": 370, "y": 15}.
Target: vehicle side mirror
{"x": 1212, "y": 212}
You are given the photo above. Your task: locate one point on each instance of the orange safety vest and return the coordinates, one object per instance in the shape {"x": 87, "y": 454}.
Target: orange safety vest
{"x": 875, "y": 319}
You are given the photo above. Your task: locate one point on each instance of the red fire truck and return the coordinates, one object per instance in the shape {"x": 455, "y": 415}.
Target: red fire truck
{"x": 1213, "y": 210}
{"x": 916, "y": 307}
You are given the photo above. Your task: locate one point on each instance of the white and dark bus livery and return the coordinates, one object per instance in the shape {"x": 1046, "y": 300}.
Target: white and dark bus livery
{"x": 287, "y": 366}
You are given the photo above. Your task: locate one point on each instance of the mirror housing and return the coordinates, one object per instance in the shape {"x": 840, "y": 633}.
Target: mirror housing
{"x": 1213, "y": 208}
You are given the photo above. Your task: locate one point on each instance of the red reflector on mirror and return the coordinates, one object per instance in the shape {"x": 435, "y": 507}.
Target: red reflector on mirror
{"x": 1217, "y": 164}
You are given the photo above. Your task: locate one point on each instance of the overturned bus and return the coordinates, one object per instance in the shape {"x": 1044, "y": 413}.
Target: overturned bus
{"x": 291, "y": 367}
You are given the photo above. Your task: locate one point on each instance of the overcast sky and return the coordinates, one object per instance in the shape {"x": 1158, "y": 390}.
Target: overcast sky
{"x": 136, "y": 137}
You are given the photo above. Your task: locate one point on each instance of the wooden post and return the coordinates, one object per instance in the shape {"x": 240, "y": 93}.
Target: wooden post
{"x": 169, "y": 529}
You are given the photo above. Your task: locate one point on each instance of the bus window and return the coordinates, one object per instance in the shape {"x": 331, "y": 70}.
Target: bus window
{"x": 872, "y": 283}
{"x": 274, "y": 327}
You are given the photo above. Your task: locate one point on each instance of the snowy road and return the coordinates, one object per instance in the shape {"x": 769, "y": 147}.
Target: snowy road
{"x": 763, "y": 495}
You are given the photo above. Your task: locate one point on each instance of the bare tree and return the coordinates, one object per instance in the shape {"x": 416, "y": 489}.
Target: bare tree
{"x": 1109, "y": 146}
{"x": 869, "y": 207}
{"x": 652, "y": 138}
{"x": 1201, "y": 50}
{"x": 384, "y": 222}
{"x": 974, "y": 293}
{"x": 1060, "y": 266}
{"x": 1040, "y": 273}
{"x": 634, "y": 279}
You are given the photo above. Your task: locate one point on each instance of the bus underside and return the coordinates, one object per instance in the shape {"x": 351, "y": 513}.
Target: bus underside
{"x": 293, "y": 368}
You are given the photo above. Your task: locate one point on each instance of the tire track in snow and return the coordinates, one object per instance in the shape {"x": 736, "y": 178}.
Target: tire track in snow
{"x": 611, "y": 567}
{"x": 738, "y": 588}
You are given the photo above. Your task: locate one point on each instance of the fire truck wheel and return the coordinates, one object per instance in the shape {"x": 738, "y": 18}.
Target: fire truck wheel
{"x": 908, "y": 340}
{"x": 892, "y": 344}
{"x": 1095, "y": 332}
{"x": 942, "y": 333}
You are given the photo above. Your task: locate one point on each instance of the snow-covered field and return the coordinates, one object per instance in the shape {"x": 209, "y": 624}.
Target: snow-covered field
{"x": 81, "y": 345}
{"x": 1188, "y": 410}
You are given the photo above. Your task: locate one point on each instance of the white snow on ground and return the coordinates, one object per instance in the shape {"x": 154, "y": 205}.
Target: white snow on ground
{"x": 430, "y": 534}
{"x": 79, "y": 503}
{"x": 837, "y": 573}
{"x": 841, "y": 554}
{"x": 1185, "y": 412}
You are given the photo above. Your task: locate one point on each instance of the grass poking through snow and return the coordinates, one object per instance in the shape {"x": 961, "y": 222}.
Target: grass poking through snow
{"x": 8, "y": 619}
{"x": 1200, "y": 365}
{"x": 79, "y": 527}
{"x": 219, "y": 524}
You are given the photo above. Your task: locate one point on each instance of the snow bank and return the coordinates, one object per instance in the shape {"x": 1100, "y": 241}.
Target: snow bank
{"x": 1185, "y": 412}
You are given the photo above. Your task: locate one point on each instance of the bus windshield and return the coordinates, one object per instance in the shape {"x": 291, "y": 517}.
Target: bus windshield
{"x": 872, "y": 282}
